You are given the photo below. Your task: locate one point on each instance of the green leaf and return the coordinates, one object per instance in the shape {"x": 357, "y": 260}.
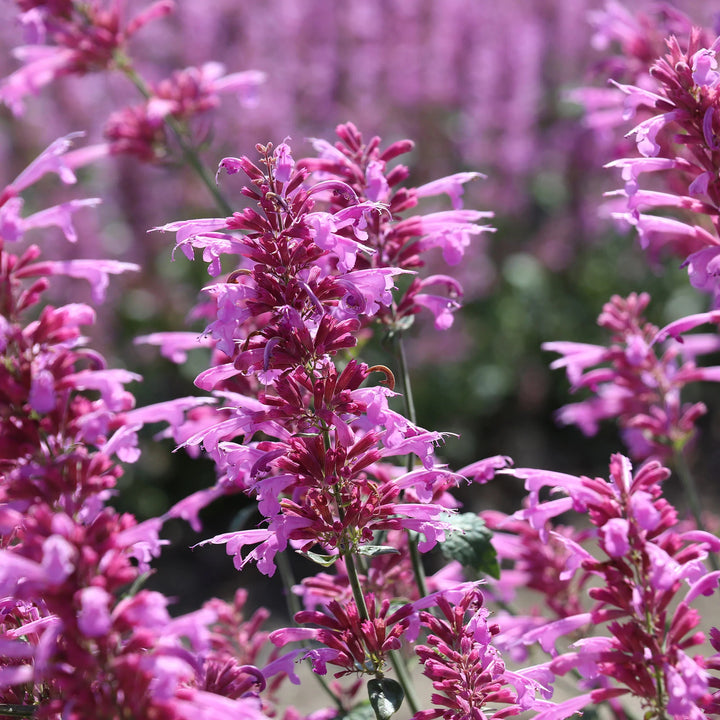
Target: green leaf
{"x": 386, "y": 697}
{"x": 373, "y": 550}
{"x": 469, "y": 543}
{"x": 364, "y": 711}
{"x": 324, "y": 560}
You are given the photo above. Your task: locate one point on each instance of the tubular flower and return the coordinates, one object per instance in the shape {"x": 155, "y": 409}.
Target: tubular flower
{"x": 635, "y": 383}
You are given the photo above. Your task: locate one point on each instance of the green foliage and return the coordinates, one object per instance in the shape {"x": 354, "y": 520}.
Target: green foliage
{"x": 469, "y": 544}
{"x": 386, "y": 697}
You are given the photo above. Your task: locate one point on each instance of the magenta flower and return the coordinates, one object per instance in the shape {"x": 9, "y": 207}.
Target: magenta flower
{"x": 467, "y": 672}
{"x": 306, "y": 289}
{"x": 350, "y": 641}
{"x": 680, "y": 96}
{"x": 649, "y": 575}
{"x": 631, "y": 380}
{"x": 141, "y": 130}
{"x": 71, "y": 40}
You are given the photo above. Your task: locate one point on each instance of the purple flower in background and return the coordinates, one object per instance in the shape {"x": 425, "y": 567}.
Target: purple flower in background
{"x": 71, "y": 40}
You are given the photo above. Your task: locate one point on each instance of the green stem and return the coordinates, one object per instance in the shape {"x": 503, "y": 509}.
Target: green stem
{"x": 411, "y": 415}
{"x": 355, "y": 585}
{"x": 405, "y": 381}
{"x": 189, "y": 153}
{"x": 288, "y": 581}
{"x": 293, "y": 605}
{"x": 688, "y": 483}
{"x": 405, "y": 680}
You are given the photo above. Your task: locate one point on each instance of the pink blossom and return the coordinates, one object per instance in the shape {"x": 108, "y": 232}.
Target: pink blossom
{"x": 94, "y": 617}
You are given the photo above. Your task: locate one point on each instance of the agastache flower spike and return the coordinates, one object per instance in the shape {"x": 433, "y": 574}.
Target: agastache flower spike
{"x": 636, "y": 383}
{"x": 678, "y": 142}
{"x": 74, "y": 40}
{"x": 351, "y": 642}
{"x": 67, "y": 643}
{"x": 314, "y": 264}
{"x": 466, "y": 670}
{"x": 650, "y": 574}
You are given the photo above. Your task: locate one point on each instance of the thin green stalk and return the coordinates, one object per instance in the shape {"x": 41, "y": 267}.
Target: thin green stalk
{"x": 405, "y": 680}
{"x": 405, "y": 380}
{"x": 293, "y": 605}
{"x": 411, "y": 415}
{"x": 688, "y": 483}
{"x": 355, "y": 585}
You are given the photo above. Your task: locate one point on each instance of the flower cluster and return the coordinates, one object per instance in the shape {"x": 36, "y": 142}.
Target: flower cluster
{"x": 72, "y": 38}
{"x": 305, "y": 285}
{"x": 649, "y": 572}
{"x": 466, "y": 670}
{"x": 676, "y": 144}
{"x": 633, "y": 382}
{"x": 324, "y": 251}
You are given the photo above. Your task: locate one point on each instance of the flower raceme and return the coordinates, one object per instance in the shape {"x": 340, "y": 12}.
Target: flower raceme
{"x": 633, "y": 381}
{"x": 70, "y": 38}
{"x": 315, "y": 266}
{"x": 677, "y": 144}
{"x": 650, "y": 572}
{"x": 73, "y": 38}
